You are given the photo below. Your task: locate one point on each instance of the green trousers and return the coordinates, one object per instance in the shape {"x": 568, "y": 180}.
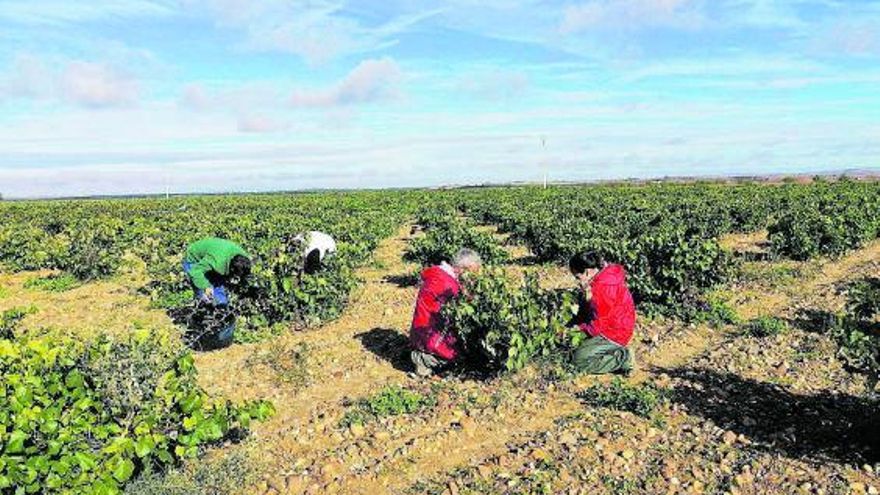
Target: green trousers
{"x": 598, "y": 356}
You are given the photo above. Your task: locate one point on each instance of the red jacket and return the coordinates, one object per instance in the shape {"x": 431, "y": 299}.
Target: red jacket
{"x": 426, "y": 333}
{"x": 612, "y": 313}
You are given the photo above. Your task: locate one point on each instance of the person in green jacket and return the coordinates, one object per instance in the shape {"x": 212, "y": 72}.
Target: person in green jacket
{"x": 210, "y": 263}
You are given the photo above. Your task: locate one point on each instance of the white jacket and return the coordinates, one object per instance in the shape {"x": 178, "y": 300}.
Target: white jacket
{"x": 320, "y": 241}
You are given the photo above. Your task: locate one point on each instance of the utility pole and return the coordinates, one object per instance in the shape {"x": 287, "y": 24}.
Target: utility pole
{"x": 544, "y": 158}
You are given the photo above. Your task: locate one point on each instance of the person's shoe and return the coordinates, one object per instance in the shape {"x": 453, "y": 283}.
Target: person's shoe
{"x": 629, "y": 367}
{"x": 422, "y": 369}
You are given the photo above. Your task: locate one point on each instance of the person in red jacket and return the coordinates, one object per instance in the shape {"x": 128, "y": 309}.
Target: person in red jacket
{"x": 434, "y": 349}
{"x": 607, "y": 314}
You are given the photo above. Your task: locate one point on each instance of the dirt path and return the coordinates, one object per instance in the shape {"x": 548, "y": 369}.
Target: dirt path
{"x": 111, "y": 307}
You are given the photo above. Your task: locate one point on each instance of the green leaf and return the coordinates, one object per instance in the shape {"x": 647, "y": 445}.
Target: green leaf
{"x": 15, "y": 444}
{"x": 265, "y": 410}
{"x": 86, "y": 461}
{"x": 123, "y": 469}
{"x": 53, "y": 481}
{"x": 190, "y": 423}
{"x": 144, "y": 446}
{"x": 74, "y": 379}
{"x": 186, "y": 363}
{"x": 119, "y": 445}
{"x": 165, "y": 456}
{"x": 213, "y": 431}
{"x": 191, "y": 402}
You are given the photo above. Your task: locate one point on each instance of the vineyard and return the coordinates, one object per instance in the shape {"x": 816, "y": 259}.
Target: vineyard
{"x": 757, "y": 345}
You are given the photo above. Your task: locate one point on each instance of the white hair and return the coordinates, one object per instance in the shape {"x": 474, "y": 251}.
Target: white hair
{"x": 466, "y": 258}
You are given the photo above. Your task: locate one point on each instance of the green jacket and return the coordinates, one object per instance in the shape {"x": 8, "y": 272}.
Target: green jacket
{"x": 210, "y": 255}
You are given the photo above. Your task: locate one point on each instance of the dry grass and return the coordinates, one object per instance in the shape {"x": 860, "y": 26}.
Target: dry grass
{"x": 752, "y": 242}
{"x": 111, "y": 307}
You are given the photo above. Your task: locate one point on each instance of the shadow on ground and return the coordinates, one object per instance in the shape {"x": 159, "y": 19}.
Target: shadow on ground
{"x": 203, "y": 325}
{"x": 761, "y": 251}
{"x": 813, "y": 321}
{"x": 827, "y": 426}
{"x": 394, "y": 347}
{"x": 527, "y": 260}
{"x": 389, "y": 345}
{"x": 403, "y": 281}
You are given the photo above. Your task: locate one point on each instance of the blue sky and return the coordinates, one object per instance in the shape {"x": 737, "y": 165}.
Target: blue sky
{"x": 139, "y": 96}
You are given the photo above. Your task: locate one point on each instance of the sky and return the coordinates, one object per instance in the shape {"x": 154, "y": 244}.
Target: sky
{"x": 180, "y": 96}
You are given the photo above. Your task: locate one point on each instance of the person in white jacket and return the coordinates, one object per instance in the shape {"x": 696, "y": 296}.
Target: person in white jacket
{"x": 317, "y": 245}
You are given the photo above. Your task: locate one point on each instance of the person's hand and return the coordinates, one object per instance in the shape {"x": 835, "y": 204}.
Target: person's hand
{"x": 588, "y": 293}
{"x": 584, "y": 283}
{"x": 208, "y": 295}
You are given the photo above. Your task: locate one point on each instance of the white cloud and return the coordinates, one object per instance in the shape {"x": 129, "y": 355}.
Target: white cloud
{"x": 81, "y": 83}
{"x": 144, "y": 128}
{"x": 371, "y": 81}
{"x": 767, "y": 14}
{"x": 852, "y": 38}
{"x": 28, "y": 77}
{"x": 195, "y": 97}
{"x": 496, "y": 85}
{"x": 54, "y": 12}
{"x": 98, "y": 86}
{"x": 254, "y": 107}
{"x": 317, "y": 31}
{"x": 738, "y": 67}
{"x": 630, "y": 14}
{"x": 260, "y": 124}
